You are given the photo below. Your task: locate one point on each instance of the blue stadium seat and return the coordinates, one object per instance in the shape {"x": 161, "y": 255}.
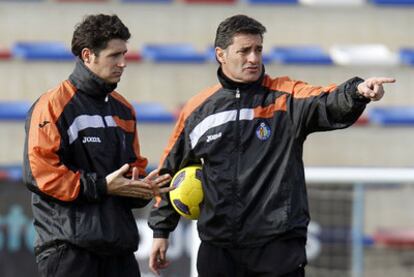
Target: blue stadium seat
{"x": 210, "y": 1}
{"x": 147, "y": 1}
{"x": 153, "y": 113}
{"x": 81, "y": 1}
{"x": 332, "y": 2}
{"x": 393, "y": 2}
{"x": 392, "y": 116}
{"x": 35, "y": 51}
{"x": 407, "y": 56}
{"x": 314, "y": 55}
{"x": 14, "y": 110}
{"x": 172, "y": 53}
{"x": 273, "y": 1}
{"x": 340, "y": 235}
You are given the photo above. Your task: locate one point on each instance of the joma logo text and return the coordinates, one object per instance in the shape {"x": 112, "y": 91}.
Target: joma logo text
{"x": 213, "y": 137}
{"x": 91, "y": 139}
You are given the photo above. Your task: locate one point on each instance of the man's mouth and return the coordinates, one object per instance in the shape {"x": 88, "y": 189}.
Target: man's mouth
{"x": 252, "y": 68}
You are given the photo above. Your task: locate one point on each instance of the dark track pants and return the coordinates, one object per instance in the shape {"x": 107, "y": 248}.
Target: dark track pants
{"x": 285, "y": 258}
{"x": 67, "y": 260}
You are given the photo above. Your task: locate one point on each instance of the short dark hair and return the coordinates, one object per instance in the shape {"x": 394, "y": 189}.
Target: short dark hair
{"x": 237, "y": 24}
{"x": 95, "y": 31}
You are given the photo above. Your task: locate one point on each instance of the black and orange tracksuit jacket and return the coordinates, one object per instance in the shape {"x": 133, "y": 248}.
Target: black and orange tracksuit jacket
{"x": 76, "y": 134}
{"x": 249, "y": 138}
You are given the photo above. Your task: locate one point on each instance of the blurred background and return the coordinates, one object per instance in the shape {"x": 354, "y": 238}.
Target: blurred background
{"x": 360, "y": 179}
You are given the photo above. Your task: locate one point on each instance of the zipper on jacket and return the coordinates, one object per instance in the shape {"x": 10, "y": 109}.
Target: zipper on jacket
{"x": 234, "y": 188}
{"x": 107, "y": 105}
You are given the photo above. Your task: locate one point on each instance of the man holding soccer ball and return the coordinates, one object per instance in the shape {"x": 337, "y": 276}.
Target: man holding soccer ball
{"x": 248, "y": 133}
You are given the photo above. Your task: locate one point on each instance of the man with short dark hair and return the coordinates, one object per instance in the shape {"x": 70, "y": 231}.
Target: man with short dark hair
{"x": 254, "y": 217}
{"x": 83, "y": 164}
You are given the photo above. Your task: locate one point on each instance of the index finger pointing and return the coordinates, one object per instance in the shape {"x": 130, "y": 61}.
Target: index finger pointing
{"x": 383, "y": 80}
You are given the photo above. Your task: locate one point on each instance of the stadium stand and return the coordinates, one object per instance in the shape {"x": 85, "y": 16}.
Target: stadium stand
{"x": 381, "y": 137}
{"x": 312, "y": 55}
{"x": 171, "y": 83}
{"x": 186, "y": 53}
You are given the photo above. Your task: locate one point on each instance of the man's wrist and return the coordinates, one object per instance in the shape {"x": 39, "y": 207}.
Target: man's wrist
{"x": 357, "y": 94}
{"x": 160, "y": 234}
{"x": 102, "y": 186}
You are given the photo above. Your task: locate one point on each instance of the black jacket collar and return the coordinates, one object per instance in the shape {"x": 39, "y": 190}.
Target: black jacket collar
{"x": 230, "y": 84}
{"x": 87, "y": 82}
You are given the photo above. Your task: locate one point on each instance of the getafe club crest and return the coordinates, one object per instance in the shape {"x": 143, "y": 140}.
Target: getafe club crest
{"x": 263, "y": 131}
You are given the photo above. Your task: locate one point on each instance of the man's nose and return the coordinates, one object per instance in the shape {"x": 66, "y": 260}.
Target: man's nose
{"x": 122, "y": 62}
{"x": 254, "y": 57}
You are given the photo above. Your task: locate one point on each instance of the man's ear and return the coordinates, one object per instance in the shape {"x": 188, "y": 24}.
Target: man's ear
{"x": 220, "y": 55}
{"x": 86, "y": 54}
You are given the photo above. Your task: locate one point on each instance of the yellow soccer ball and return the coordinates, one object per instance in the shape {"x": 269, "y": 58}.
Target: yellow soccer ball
{"x": 188, "y": 193}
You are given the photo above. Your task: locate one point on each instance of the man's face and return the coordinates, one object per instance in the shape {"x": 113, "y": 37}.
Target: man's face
{"x": 241, "y": 61}
{"x": 110, "y": 62}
